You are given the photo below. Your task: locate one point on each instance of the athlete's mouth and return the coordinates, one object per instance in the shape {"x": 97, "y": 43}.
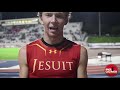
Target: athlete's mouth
{"x": 53, "y": 28}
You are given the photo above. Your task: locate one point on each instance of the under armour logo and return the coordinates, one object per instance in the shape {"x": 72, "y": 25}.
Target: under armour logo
{"x": 55, "y": 51}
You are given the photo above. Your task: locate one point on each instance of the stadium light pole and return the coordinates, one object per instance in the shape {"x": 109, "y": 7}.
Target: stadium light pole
{"x": 99, "y": 15}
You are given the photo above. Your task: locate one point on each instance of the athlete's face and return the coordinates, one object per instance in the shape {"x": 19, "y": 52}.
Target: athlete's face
{"x": 54, "y": 22}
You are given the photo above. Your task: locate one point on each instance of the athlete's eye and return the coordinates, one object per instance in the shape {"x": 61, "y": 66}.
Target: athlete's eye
{"x": 60, "y": 16}
{"x": 48, "y": 14}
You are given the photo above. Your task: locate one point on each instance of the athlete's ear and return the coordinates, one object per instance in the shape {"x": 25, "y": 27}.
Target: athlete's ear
{"x": 68, "y": 18}
{"x": 66, "y": 21}
{"x": 40, "y": 18}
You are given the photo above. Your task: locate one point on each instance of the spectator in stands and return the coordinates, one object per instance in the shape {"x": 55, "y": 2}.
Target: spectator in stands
{"x": 53, "y": 56}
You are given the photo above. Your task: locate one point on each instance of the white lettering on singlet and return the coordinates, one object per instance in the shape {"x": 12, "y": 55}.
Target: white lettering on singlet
{"x": 55, "y": 65}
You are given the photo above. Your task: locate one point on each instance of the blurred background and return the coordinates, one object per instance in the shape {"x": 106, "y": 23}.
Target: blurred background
{"x": 109, "y": 21}
{"x": 97, "y": 31}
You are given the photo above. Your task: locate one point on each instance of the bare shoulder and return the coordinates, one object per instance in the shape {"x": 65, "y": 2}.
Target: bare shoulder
{"x": 22, "y": 50}
{"x": 22, "y": 54}
{"x": 83, "y": 50}
{"x": 84, "y": 54}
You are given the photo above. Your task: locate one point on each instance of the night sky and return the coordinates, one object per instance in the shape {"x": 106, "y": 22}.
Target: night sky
{"x": 13, "y": 15}
{"x": 111, "y": 18}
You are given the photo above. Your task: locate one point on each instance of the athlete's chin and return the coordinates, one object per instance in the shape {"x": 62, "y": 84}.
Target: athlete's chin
{"x": 53, "y": 35}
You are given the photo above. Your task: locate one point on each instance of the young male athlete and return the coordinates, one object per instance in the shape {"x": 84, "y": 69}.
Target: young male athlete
{"x": 53, "y": 56}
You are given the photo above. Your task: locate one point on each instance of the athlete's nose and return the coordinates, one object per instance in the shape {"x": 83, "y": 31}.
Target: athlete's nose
{"x": 53, "y": 19}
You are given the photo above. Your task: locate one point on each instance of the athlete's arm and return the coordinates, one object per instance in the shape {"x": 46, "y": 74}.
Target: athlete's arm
{"x": 23, "y": 72}
{"x": 82, "y": 69}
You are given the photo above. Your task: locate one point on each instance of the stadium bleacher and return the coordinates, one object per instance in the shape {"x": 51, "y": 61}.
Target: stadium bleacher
{"x": 17, "y": 35}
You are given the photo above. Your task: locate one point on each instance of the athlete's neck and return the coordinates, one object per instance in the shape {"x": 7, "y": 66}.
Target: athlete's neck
{"x": 53, "y": 40}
